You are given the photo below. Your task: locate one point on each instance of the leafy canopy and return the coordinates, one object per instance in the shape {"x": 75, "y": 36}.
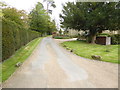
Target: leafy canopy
{"x": 40, "y": 20}
{"x": 91, "y": 16}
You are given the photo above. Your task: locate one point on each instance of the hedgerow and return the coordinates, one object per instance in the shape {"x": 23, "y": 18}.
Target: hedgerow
{"x": 14, "y": 37}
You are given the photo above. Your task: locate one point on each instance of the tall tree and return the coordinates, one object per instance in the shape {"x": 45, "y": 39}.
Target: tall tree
{"x": 50, "y": 3}
{"x": 40, "y": 20}
{"x": 91, "y": 16}
{"x": 18, "y": 17}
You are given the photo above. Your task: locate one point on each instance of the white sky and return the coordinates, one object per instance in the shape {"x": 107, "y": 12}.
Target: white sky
{"x": 27, "y": 5}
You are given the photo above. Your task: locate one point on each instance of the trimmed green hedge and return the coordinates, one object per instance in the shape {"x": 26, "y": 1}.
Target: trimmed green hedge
{"x": 14, "y": 37}
{"x": 62, "y": 37}
{"x": 104, "y": 34}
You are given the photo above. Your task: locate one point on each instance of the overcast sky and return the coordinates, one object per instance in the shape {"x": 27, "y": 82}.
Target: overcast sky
{"x": 27, "y": 5}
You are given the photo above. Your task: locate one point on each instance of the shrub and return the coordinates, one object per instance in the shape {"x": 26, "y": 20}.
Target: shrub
{"x": 14, "y": 37}
{"x": 62, "y": 37}
{"x": 115, "y": 39}
{"x": 104, "y": 34}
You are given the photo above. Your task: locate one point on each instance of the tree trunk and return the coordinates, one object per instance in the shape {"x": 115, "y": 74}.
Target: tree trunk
{"x": 93, "y": 39}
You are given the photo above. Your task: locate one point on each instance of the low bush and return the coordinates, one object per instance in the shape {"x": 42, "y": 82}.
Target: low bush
{"x": 62, "y": 37}
{"x": 104, "y": 34}
{"x": 115, "y": 39}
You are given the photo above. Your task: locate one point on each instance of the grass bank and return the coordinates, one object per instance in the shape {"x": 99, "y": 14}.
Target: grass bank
{"x": 83, "y": 49}
{"x": 8, "y": 67}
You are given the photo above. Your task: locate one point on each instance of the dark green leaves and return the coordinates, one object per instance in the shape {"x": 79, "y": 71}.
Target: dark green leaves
{"x": 40, "y": 20}
{"x": 90, "y": 15}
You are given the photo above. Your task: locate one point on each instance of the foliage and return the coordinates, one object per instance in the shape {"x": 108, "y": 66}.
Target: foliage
{"x": 83, "y": 49}
{"x": 8, "y": 66}
{"x": 81, "y": 36}
{"x": 115, "y": 39}
{"x": 93, "y": 17}
{"x": 40, "y": 21}
{"x": 15, "y": 33}
{"x": 60, "y": 32}
{"x": 14, "y": 37}
{"x": 50, "y": 3}
{"x": 104, "y": 34}
{"x": 62, "y": 37}
{"x": 18, "y": 28}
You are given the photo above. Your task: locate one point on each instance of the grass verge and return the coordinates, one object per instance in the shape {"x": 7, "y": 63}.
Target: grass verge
{"x": 83, "y": 49}
{"x": 8, "y": 67}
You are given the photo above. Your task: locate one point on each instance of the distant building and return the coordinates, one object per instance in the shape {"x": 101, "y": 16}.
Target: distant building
{"x": 110, "y": 32}
{"x": 73, "y": 32}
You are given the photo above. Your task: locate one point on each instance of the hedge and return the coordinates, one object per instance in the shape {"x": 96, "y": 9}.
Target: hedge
{"x": 14, "y": 37}
{"x": 104, "y": 34}
{"x": 115, "y": 39}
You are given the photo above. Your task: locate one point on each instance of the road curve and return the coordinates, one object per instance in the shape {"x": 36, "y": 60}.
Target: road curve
{"x": 51, "y": 66}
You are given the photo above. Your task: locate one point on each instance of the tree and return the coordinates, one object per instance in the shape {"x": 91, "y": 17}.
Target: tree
{"x": 18, "y": 17}
{"x": 40, "y": 20}
{"x": 15, "y": 33}
{"x": 50, "y": 3}
{"x": 60, "y": 32}
{"x": 90, "y": 16}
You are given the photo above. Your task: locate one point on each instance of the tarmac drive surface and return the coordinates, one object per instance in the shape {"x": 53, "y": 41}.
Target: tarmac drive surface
{"x": 51, "y": 66}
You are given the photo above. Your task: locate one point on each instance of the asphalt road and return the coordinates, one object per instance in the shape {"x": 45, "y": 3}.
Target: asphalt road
{"x": 51, "y": 66}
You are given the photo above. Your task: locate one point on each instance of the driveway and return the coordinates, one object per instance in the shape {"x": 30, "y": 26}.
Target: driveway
{"x": 51, "y": 66}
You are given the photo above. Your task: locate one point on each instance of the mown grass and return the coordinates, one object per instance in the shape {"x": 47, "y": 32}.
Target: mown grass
{"x": 83, "y": 49}
{"x": 8, "y": 67}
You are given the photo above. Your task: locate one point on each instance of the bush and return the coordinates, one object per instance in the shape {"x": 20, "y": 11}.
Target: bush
{"x": 104, "y": 34}
{"x": 115, "y": 39}
{"x": 14, "y": 37}
{"x": 62, "y": 37}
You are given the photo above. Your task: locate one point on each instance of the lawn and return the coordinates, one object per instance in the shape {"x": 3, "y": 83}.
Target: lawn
{"x": 83, "y": 49}
{"x": 8, "y": 67}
